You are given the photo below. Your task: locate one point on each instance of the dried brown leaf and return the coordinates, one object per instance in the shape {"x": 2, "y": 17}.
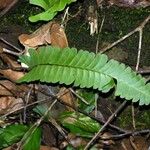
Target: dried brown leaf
{"x": 50, "y": 33}
{"x": 9, "y": 104}
{"x": 67, "y": 97}
{"x": 12, "y": 75}
{"x": 7, "y": 88}
{"x": 58, "y": 36}
{"x": 9, "y": 60}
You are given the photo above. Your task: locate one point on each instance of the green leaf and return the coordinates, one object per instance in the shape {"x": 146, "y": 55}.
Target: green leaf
{"x": 11, "y": 134}
{"x": 51, "y": 7}
{"x": 79, "y": 124}
{"x": 33, "y": 141}
{"x": 90, "y": 97}
{"x": 86, "y": 70}
{"x": 41, "y": 109}
{"x": 42, "y": 3}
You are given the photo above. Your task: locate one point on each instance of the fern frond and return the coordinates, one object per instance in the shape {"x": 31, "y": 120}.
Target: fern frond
{"x": 85, "y": 69}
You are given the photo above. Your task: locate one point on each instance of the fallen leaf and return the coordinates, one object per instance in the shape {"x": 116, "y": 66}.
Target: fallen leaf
{"x": 7, "y": 88}
{"x": 66, "y": 96}
{"x": 58, "y": 36}
{"x": 9, "y": 104}
{"x": 12, "y": 75}
{"x": 10, "y": 61}
{"x": 50, "y": 33}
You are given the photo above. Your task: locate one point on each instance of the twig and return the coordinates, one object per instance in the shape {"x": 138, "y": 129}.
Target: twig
{"x": 143, "y": 71}
{"x": 137, "y": 68}
{"x": 7, "y": 89}
{"x": 139, "y": 49}
{"x": 131, "y": 133}
{"x": 85, "y": 113}
{"x": 64, "y": 17}
{"x": 99, "y": 32}
{"x": 34, "y": 103}
{"x": 34, "y": 127}
{"x": 78, "y": 96}
{"x": 132, "y": 143}
{"x": 127, "y": 35}
{"x": 64, "y": 103}
{"x": 21, "y": 108}
{"x": 9, "y": 44}
{"x": 106, "y": 124}
{"x": 12, "y": 52}
{"x": 3, "y": 12}
{"x": 58, "y": 127}
{"x": 140, "y": 30}
{"x": 26, "y": 102}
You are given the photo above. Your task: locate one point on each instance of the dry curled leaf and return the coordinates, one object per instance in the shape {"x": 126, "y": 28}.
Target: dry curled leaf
{"x": 12, "y": 75}
{"x": 7, "y": 88}
{"x": 50, "y": 33}
{"x": 9, "y": 104}
{"x": 58, "y": 36}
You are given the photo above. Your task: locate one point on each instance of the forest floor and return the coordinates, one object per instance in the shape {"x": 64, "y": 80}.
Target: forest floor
{"x": 117, "y": 23}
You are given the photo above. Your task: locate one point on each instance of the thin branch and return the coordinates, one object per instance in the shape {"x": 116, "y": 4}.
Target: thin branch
{"x": 131, "y": 133}
{"x": 78, "y": 96}
{"x": 106, "y": 124}
{"x": 139, "y": 49}
{"x": 3, "y": 12}
{"x": 11, "y": 45}
{"x": 12, "y": 52}
{"x": 65, "y": 16}
{"x": 34, "y": 127}
{"x": 141, "y": 26}
{"x": 143, "y": 71}
{"x": 99, "y": 32}
{"x": 27, "y": 97}
{"x": 64, "y": 103}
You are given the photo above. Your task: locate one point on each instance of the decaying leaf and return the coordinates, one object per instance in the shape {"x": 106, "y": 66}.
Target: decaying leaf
{"x": 12, "y": 75}
{"x": 7, "y": 88}
{"x": 8, "y": 104}
{"x": 9, "y": 61}
{"x": 58, "y": 36}
{"x": 67, "y": 97}
{"x": 50, "y": 33}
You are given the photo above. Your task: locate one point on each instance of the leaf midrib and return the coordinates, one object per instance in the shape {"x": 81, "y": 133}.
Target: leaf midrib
{"x": 99, "y": 72}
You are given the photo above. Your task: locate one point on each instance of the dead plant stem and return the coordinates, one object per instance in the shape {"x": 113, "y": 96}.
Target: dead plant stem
{"x": 106, "y": 124}
{"x": 34, "y": 127}
{"x": 141, "y": 26}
